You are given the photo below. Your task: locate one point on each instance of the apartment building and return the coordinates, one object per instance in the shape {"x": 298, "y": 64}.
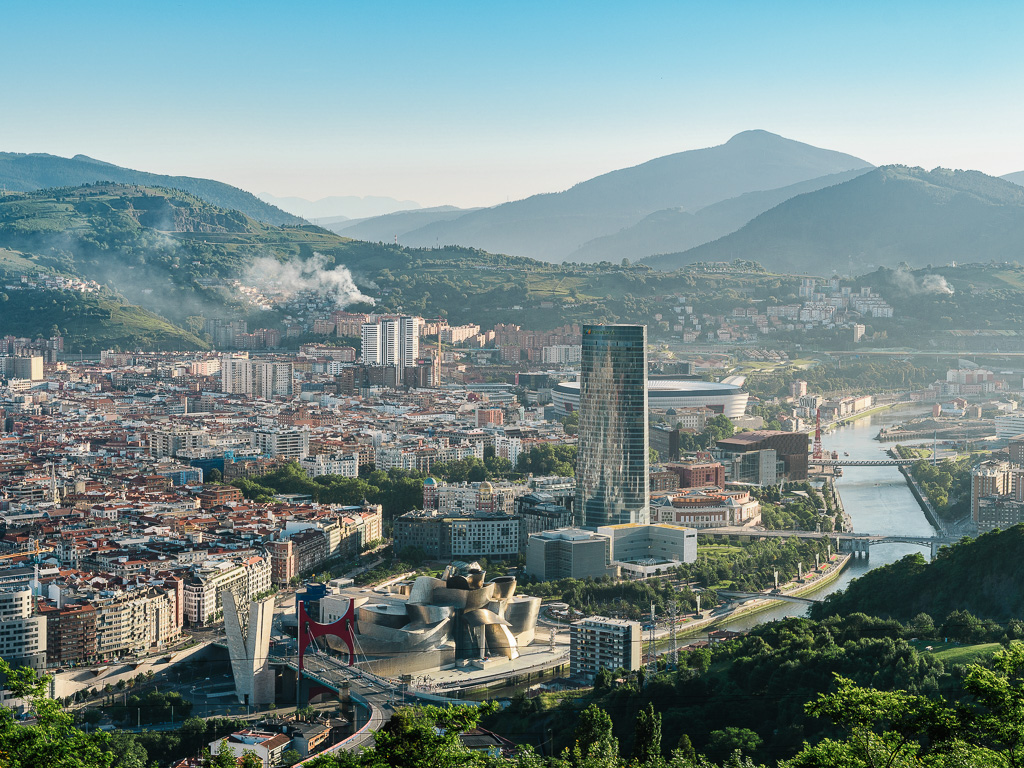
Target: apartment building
{"x": 597, "y": 643}
{"x": 246, "y": 577}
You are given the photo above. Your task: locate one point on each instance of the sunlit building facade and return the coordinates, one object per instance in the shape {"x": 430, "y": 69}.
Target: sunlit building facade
{"x": 612, "y": 457}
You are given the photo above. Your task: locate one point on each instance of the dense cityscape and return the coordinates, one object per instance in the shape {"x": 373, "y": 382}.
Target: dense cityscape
{"x": 439, "y": 385}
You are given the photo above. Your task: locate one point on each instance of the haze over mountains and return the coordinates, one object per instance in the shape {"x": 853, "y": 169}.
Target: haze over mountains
{"x": 338, "y": 208}
{"x": 889, "y": 215}
{"x": 554, "y": 226}
{"x": 675, "y": 229}
{"x": 26, "y": 173}
{"x": 759, "y": 196}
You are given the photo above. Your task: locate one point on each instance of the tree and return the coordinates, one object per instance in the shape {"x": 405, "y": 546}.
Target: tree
{"x": 290, "y": 757}
{"x": 885, "y": 728}
{"x": 647, "y": 735}
{"x": 53, "y": 740}
{"x": 225, "y": 757}
{"x": 999, "y": 689}
{"x": 593, "y": 735}
{"x": 130, "y": 754}
{"x": 727, "y": 741}
{"x": 426, "y": 737}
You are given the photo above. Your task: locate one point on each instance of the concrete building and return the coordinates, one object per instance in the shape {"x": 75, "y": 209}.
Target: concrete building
{"x": 1009, "y": 425}
{"x": 22, "y": 634}
{"x": 568, "y": 553}
{"x": 698, "y": 474}
{"x": 706, "y": 508}
{"x": 27, "y": 368}
{"x": 539, "y": 511}
{"x": 268, "y": 747}
{"x": 281, "y": 443}
{"x": 467, "y": 498}
{"x": 597, "y": 643}
{"x": 647, "y": 549}
{"x": 392, "y": 341}
{"x": 483, "y": 534}
{"x": 245, "y": 577}
{"x": 70, "y": 632}
{"x": 167, "y": 442}
{"x": 612, "y": 482}
{"x": 788, "y": 457}
{"x": 241, "y": 375}
{"x": 343, "y": 464}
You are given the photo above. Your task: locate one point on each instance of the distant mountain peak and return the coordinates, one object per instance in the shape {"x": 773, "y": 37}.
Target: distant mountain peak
{"x": 756, "y": 135}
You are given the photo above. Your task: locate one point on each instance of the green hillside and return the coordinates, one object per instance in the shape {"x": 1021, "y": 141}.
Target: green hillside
{"x": 25, "y": 173}
{"x": 887, "y": 216}
{"x": 984, "y": 576}
{"x": 90, "y": 322}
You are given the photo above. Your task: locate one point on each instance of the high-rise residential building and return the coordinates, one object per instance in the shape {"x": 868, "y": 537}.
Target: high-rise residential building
{"x": 612, "y": 482}
{"x": 242, "y": 375}
{"x": 392, "y": 341}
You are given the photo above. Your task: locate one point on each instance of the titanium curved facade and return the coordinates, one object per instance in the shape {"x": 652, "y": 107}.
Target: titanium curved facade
{"x": 612, "y": 452}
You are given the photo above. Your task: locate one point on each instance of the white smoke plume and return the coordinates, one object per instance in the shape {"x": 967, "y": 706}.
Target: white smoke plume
{"x": 294, "y": 276}
{"x": 904, "y": 278}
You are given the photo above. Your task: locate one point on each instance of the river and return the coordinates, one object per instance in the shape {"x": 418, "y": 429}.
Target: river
{"x": 878, "y": 500}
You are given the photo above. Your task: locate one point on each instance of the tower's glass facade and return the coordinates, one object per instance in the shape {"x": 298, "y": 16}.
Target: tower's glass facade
{"x": 612, "y": 454}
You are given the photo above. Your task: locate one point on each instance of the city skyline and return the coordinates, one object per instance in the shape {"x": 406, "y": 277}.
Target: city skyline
{"x": 475, "y": 106}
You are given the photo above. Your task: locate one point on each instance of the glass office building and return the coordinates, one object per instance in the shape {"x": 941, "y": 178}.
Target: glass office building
{"x": 612, "y": 453}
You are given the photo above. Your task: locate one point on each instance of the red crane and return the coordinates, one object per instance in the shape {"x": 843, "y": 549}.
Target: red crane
{"x": 816, "y": 454}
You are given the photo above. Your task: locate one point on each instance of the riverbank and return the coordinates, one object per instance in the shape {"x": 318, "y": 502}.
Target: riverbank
{"x": 757, "y": 606}
{"x": 922, "y": 500}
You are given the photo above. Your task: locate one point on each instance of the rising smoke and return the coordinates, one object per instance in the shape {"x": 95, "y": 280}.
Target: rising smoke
{"x": 905, "y": 279}
{"x": 294, "y": 276}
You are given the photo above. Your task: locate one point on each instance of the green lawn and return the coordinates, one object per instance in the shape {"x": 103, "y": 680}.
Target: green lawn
{"x": 953, "y": 653}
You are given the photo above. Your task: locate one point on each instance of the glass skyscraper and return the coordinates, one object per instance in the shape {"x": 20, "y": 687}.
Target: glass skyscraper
{"x": 612, "y": 452}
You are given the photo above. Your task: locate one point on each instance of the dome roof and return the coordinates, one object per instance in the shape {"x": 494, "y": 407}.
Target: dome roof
{"x": 429, "y": 481}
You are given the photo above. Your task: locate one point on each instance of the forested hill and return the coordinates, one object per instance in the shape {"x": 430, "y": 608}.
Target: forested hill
{"x": 984, "y": 576}
{"x": 890, "y": 215}
{"x": 25, "y": 173}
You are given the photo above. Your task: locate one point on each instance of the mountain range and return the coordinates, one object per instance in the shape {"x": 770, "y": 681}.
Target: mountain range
{"x": 553, "y": 226}
{"x": 29, "y": 172}
{"x": 889, "y": 215}
{"x": 759, "y": 197}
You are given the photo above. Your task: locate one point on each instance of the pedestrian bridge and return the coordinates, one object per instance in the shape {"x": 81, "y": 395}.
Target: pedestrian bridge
{"x": 855, "y": 543}
{"x": 744, "y": 596}
{"x": 812, "y": 462}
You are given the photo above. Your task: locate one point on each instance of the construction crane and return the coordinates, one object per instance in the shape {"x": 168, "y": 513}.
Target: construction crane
{"x": 816, "y": 454}
{"x": 36, "y": 550}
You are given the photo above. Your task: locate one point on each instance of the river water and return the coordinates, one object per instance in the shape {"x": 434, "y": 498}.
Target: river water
{"x": 878, "y": 500}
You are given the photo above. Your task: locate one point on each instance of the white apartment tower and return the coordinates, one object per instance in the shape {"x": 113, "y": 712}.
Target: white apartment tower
{"x": 392, "y": 341}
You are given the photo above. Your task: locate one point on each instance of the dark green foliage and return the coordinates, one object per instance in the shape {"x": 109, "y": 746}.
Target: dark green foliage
{"x": 397, "y": 490}
{"x": 647, "y": 735}
{"x": 983, "y": 576}
{"x": 549, "y": 459}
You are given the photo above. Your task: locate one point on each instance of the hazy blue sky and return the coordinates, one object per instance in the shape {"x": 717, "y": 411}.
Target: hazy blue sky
{"x": 476, "y": 103}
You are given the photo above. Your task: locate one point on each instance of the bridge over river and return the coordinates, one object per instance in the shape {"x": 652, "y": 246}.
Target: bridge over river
{"x": 812, "y": 462}
{"x": 855, "y": 543}
{"x": 744, "y": 596}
